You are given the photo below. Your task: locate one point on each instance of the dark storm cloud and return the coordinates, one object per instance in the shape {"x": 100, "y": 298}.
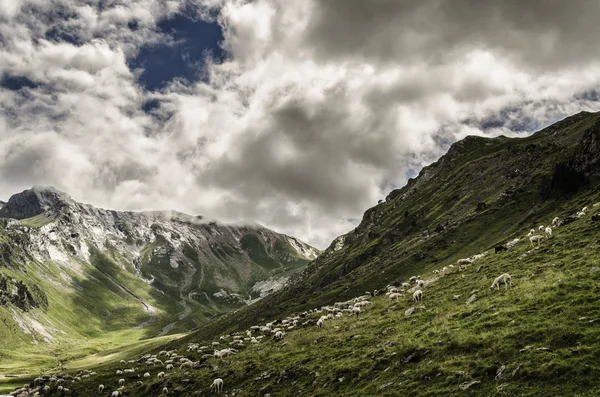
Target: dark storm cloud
{"x": 541, "y": 33}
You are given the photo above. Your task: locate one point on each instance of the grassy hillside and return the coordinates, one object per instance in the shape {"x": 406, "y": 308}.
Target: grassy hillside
{"x": 478, "y": 195}
{"x": 539, "y": 338}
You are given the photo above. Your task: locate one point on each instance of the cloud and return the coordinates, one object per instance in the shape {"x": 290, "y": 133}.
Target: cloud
{"x": 316, "y": 112}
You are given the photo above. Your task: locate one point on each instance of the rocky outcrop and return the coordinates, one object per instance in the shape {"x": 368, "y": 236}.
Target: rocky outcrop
{"x": 20, "y": 295}
{"x": 587, "y": 154}
{"x": 35, "y": 201}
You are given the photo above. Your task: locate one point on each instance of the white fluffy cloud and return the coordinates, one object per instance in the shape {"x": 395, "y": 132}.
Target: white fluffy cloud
{"x": 318, "y": 110}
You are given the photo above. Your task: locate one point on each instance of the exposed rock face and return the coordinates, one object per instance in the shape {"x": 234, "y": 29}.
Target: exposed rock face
{"x": 35, "y": 201}
{"x": 20, "y": 295}
{"x": 587, "y": 154}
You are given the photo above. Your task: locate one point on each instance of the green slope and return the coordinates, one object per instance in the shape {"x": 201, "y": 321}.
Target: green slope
{"x": 543, "y": 332}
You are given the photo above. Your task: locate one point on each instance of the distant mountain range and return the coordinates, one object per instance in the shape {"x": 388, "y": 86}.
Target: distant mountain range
{"x": 161, "y": 271}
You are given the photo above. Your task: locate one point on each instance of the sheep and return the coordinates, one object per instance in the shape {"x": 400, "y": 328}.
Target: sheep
{"x": 355, "y": 311}
{"x": 392, "y": 290}
{"x": 320, "y": 323}
{"x": 595, "y": 218}
{"x": 115, "y": 393}
{"x": 119, "y": 372}
{"x": 418, "y": 296}
{"x": 395, "y": 296}
{"x": 420, "y": 283}
{"x": 146, "y": 374}
{"x": 464, "y": 262}
{"x": 100, "y": 388}
{"x": 531, "y": 232}
{"x": 512, "y": 243}
{"x": 160, "y": 375}
{"x": 502, "y": 279}
{"x": 279, "y": 335}
{"x": 165, "y": 390}
{"x": 555, "y": 221}
{"x": 584, "y": 209}
{"x": 170, "y": 367}
{"x": 541, "y": 227}
{"x": 217, "y": 385}
{"x": 535, "y": 238}
{"x": 580, "y": 214}
{"x": 121, "y": 382}
{"x": 435, "y": 272}
{"x": 500, "y": 248}
{"x": 548, "y": 232}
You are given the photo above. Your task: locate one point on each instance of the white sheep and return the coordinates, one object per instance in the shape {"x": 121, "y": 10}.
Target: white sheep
{"x": 119, "y": 372}
{"x": 420, "y": 283}
{"x": 584, "y": 209}
{"x": 535, "y": 239}
{"x": 165, "y": 390}
{"x": 115, "y": 393}
{"x": 121, "y": 382}
{"x": 435, "y": 272}
{"x": 541, "y": 227}
{"x": 279, "y": 335}
{"x": 418, "y": 296}
{"x": 548, "y": 232}
{"x": 146, "y": 374}
{"x": 464, "y": 262}
{"x": 217, "y": 385}
{"x": 395, "y": 296}
{"x": 555, "y": 221}
{"x": 160, "y": 375}
{"x": 531, "y": 232}
{"x": 170, "y": 367}
{"x": 320, "y": 323}
{"x": 502, "y": 279}
{"x": 100, "y": 388}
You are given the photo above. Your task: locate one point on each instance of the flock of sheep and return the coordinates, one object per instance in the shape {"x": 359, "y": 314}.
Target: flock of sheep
{"x": 163, "y": 364}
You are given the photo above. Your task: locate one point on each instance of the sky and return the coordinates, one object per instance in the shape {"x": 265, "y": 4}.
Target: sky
{"x": 296, "y": 114}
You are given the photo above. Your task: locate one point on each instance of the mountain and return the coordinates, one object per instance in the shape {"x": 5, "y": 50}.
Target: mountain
{"x": 475, "y": 197}
{"x": 157, "y": 272}
{"x": 540, "y": 337}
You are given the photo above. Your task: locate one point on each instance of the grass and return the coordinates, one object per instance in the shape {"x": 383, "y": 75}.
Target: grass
{"x": 37, "y": 221}
{"x": 543, "y": 333}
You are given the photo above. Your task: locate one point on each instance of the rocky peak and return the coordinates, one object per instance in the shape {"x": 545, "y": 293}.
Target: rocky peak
{"x": 35, "y": 201}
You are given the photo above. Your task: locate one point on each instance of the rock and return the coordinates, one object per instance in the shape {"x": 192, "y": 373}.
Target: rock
{"x": 471, "y": 299}
{"x": 543, "y": 349}
{"x": 386, "y": 385}
{"x": 411, "y": 310}
{"x": 468, "y": 385}
{"x": 526, "y": 348}
{"x": 499, "y": 372}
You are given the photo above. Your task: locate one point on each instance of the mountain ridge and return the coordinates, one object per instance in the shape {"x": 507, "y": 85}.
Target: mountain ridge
{"x": 167, "y": 271}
